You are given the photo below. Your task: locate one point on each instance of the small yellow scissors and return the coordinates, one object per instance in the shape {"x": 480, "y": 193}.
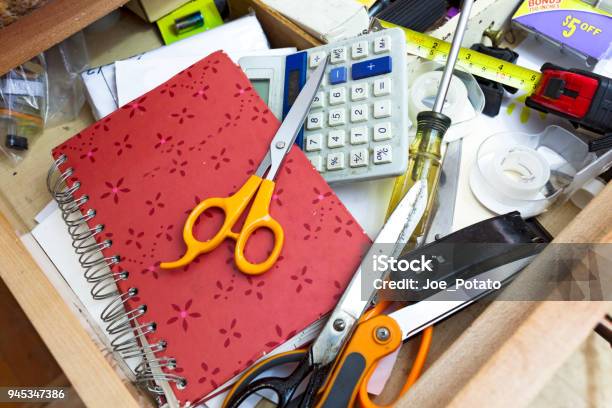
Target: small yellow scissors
{"x": 258, "y": 186}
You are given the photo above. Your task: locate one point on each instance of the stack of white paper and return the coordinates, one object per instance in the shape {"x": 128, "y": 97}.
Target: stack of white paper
{"x": 237, "y": 38}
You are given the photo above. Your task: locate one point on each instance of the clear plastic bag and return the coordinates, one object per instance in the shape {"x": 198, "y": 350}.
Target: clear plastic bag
{"x": 65, "y": 62}
{"x": 45, "y": 91}
{"x": 23, "y": 97}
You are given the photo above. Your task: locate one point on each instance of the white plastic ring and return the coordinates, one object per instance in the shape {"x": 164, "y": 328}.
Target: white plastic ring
{"x": 423, "y": 94}
{"x": 520, "y": 172}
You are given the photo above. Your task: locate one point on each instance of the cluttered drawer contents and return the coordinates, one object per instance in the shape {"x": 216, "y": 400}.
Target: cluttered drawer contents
{"x": 357, "y": 127}
{"x": 215, "y": 213}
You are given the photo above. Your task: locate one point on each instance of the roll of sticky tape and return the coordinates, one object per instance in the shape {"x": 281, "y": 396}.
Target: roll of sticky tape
{"x": 511, "y": 179}
{"x": 520, "y": 172}
{"x": 424, "y": 90}
{"x": 516, "y": 171}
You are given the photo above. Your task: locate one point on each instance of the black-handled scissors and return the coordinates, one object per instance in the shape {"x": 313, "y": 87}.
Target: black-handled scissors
{"x": 284, "y": 387}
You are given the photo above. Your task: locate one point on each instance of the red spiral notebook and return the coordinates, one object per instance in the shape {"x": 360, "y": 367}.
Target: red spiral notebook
{"x": 144, "y": 167}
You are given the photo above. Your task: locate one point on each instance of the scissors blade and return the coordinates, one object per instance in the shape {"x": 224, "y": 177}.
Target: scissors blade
{"x": 390, "y": 241}
{"x": 414, "y": 318}
{"x": 404, "y": 219}
{"x": 289, "y": 129}
{"x": 442, "y": 222}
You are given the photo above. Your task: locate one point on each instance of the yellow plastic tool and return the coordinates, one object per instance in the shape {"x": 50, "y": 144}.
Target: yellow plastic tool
{"x": 261, "y": 186}
{"x": 424, "y": 162}
{"x": 233, "y": 207}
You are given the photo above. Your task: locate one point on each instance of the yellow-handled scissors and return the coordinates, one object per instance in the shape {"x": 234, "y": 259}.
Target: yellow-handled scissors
{"x": 256, "y": 186}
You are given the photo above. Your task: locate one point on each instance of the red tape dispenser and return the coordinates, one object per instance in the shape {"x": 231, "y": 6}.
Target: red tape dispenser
{"x": 582, "y": 97}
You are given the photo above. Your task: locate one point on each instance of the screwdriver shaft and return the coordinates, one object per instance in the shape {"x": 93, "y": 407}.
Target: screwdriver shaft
{"x": 466, "y": 8}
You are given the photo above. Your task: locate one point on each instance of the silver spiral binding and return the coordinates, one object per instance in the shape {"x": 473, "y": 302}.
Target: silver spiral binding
{"x": 126, "y": 332}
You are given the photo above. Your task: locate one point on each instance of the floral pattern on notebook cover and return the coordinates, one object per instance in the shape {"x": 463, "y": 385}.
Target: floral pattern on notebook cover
{"x": 144, "y": 167}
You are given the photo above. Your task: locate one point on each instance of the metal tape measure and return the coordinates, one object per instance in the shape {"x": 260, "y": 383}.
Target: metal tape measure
{"x": 474, "y": 62}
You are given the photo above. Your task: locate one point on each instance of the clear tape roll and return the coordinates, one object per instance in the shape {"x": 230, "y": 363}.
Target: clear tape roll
{"x": 464, "y": 101}
{"x": 507, "y": 180}
{"x": 522, "y": 172}
{"x": 423, "y": 94}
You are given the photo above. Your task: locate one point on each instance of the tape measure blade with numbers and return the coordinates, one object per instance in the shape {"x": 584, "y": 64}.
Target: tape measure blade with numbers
{"x": 474, "y": 62}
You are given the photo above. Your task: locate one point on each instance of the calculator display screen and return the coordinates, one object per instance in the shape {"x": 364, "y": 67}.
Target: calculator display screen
{"x": 294, "y": 86}
{"x": 262, "y": 87}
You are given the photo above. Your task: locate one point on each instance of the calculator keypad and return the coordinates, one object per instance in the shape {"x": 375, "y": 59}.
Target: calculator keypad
{"x": 337, "y": 75}
{"x": 315, "y": 58}
{"x": 336, "y": 138}
{"x": 338, "y": 55}
{"x": 359, "y": 135}
{"x": 382, "y": 109}
{"x": 359, "y": 50}
{"x": 359, "y": 158}
{"x": 314, "y": 121}
{"x": 382, "y": 86}
{"x": 383, "y": 154}
{"x": 382, "y": 131}
{"x": 337, "y": 96}
{"x": 359, "y": 92}
{"x": 337, "y": 117}
{"x": 335, "y": 161}
{"x": 370, "y": 68}
{"x": 313, "y": 142}
{"x": 317, "y": 162}
{"x": 357, "y": 128}
{"x": 317, "y": 102}
{"x": 382, "y": 44}
{"x": 359, "y": 113}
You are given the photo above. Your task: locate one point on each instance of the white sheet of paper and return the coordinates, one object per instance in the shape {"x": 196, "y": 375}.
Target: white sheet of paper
{"x": 242, "y": 35}
{"x": 100, "y": 89}
{"x": 367, "y": 201}
{"x": 52, "y": 235}
{"x": 49, "y": 209}
{"x": 137, "y": 77}
{"x": 329, "y": 20}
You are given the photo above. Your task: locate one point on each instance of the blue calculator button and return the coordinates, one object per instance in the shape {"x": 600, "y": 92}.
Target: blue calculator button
{"x": 337, "y": 75}
{"x": 373, "y": 67}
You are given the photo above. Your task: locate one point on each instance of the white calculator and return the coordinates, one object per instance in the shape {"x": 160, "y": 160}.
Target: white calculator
{"x": 357, "y": 128}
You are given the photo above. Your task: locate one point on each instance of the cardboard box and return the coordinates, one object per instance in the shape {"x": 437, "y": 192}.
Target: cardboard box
{"x": 153, "y": 10}
{"x": 570, "y": 25}
{"x": 327, "y": 20}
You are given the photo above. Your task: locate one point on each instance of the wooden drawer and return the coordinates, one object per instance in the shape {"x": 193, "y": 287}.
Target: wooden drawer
{"x": 47, "y": 26}
{"x": 509, "y": 352}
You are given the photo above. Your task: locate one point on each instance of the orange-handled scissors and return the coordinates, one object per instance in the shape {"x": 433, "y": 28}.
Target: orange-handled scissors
{"x": 315, "y": 364}
{"x": 256, "y": 186}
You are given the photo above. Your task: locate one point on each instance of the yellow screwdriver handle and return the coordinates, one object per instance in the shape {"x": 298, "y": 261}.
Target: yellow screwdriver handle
{"x": 424, "y": 162}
